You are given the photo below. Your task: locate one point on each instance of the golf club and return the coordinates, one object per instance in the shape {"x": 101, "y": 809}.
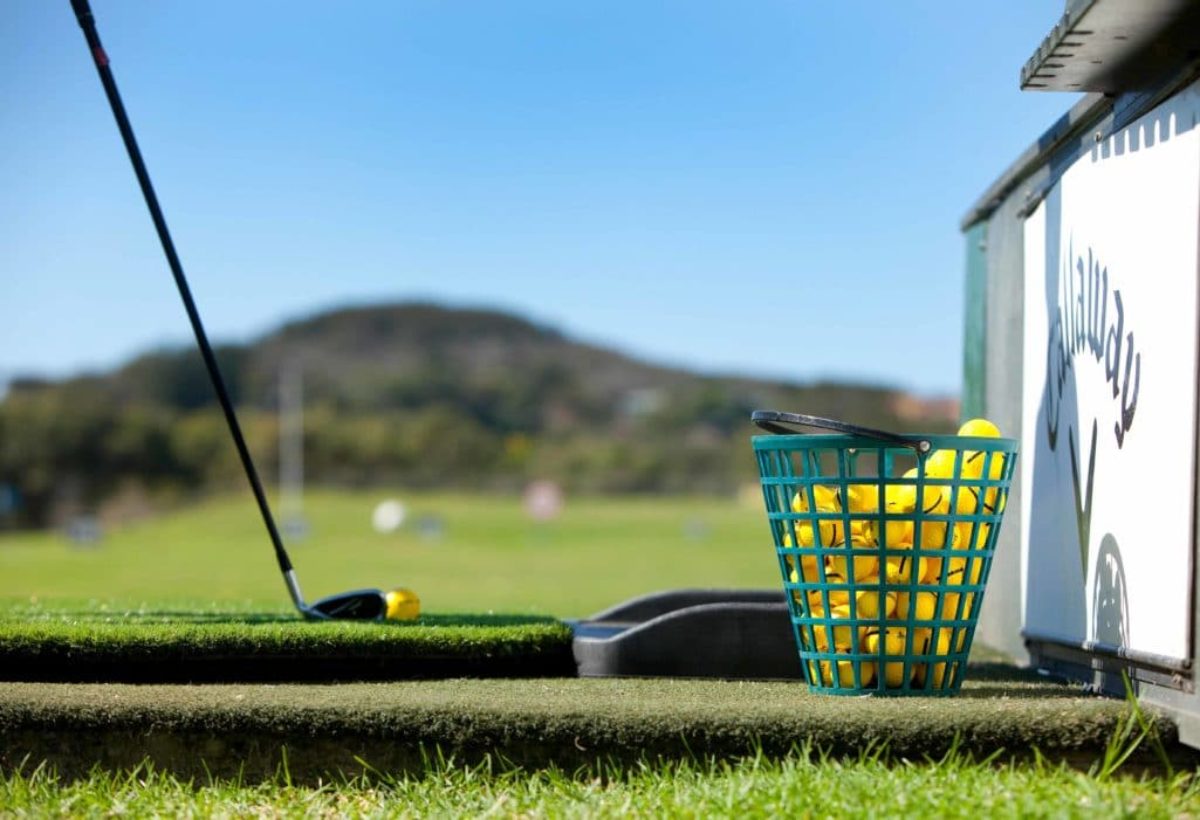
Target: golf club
{"x": 362, "y": 604}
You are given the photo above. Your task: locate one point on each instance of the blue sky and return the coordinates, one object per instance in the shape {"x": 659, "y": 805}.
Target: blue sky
{"x": 770, "y": 188}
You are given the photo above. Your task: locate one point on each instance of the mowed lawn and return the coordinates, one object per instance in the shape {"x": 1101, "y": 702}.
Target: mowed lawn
{"x": 489, "y": 557}
{"x": 798, "y": 786}
{"x": 461, "y": 553}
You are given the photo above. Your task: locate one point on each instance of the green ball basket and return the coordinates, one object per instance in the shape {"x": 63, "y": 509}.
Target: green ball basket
{"x": 890, "y": 610}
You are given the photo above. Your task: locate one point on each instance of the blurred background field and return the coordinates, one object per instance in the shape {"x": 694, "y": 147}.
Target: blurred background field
{"x": 461, "y": 553}
{"x": 124, "y": 485}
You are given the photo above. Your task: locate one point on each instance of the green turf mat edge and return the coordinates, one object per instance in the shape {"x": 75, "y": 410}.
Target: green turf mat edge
{"x": 330, "y": 730}
{"x": 149, "y": 646}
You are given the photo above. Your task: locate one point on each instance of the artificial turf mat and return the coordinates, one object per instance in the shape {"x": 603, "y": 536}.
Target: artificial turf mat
{"x": 147, "y": 643}
{"x": 250, "y": 730}
{"x": 550, "y": 717}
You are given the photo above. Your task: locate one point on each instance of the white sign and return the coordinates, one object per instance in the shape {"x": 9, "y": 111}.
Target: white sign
{"x": 1109, "y": 408}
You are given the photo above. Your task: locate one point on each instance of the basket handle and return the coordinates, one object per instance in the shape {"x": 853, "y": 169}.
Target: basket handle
{"x": 772, "y": 420}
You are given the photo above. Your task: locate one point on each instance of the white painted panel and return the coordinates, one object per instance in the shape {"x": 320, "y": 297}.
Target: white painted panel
{"x": 1110, "y": 390}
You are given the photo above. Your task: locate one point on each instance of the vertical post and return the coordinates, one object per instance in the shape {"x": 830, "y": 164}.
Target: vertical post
{"x": 291, "y": 448}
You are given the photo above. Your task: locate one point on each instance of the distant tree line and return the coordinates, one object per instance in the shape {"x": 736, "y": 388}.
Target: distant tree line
{"x": 409, "y": 396}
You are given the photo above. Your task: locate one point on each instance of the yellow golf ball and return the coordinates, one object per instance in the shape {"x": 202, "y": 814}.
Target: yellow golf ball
{"x": 923, "y": 645}
{"x": 867, "y": 603}
{"x": 896, "y": 533}
{"x": 893, "y": 645}
{"x": 845, "y": 674}
{"x": 933, "y": 571}
{"x": 942, "y": 649}
{"x": 957, "y": 572}
{"x": 843, "y": 638}
{"x": 837, "y": 597}
{"x": 993, "y": 501}
{"x": 973, "y": 459}
{"x": 861, "y": 498}
{"x": 825, "y": 498}
{"x": 832, "y": 534}
{"x": 967, "y": 501}
{"x": 922, "y": 641}
{"x": 960, "y": 573}
{"x": 933, "y": 501}
{"x": 899, "y": 498}
{"x": 899, "y": 569}
{"x": 941, "y": 464}
{"x": 807, "y": 571}
{"x": 925, "y": 607}
{"x": 403, "y": 605}
{"x": 979, "y": 428}
{"x": 864, "y": 566}
{"x": 950, "y": 604}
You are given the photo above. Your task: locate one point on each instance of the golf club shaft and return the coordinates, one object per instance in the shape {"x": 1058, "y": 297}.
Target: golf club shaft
{"x": 83, "y": 14}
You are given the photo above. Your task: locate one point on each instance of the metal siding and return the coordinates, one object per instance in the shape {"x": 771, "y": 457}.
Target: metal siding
{"x": 1003, "y": 309}
{"x": 975, "y": 326}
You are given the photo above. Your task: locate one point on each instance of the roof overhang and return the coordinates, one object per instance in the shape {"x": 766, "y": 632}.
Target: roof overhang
{"x": 1114, "y": 46}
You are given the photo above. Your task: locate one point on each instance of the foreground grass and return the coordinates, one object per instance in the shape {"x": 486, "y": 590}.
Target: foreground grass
{"x": 485, "y": 555}
{"x": 799, "y": 785}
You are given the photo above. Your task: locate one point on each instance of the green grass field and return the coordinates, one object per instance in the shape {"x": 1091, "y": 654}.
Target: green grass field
{"x": 797, "y": 786}
{"x": 489, "y": 558}
{"x": 209, "y": 568}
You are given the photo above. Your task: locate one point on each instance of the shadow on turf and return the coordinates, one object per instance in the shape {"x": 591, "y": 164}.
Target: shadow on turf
{"x": 1010, "y": 693}
{"x": 994, "y": 680}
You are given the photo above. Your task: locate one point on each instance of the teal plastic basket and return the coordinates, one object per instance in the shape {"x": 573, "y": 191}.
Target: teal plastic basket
{"x": 885, "y": 543}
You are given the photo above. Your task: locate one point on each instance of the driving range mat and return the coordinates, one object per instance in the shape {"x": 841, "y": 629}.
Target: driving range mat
{"x": 102, "y": 642}
{"x": 322, "y": 731}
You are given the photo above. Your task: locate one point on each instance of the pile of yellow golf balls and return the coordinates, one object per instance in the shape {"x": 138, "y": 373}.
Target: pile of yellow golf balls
{"x": 858, "y": 587}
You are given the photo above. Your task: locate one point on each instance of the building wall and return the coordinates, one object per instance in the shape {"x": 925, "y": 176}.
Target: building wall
{"x": 994, "y": 378}
{"x": 1003, "y": 297}
{"x": 998, "y": 221}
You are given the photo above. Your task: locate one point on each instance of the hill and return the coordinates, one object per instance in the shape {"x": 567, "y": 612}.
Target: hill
{"x": 414, "y": 395}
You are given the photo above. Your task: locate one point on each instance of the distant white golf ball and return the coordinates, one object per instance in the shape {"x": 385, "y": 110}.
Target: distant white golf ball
{"x": 388, "y": 516}
{"x": 543, "y": 500}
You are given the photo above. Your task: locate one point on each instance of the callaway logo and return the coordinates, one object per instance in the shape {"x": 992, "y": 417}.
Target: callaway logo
{"x": 1085, "y": 325}
{"x": 1083, "y": 506}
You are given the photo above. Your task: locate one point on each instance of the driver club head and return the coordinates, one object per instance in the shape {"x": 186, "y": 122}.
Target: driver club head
{"x": 358, "y": 605}
{"x": 400, "y": 604}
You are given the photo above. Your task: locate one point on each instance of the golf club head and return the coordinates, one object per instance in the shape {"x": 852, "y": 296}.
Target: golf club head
{"x": 358, "y": 605}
